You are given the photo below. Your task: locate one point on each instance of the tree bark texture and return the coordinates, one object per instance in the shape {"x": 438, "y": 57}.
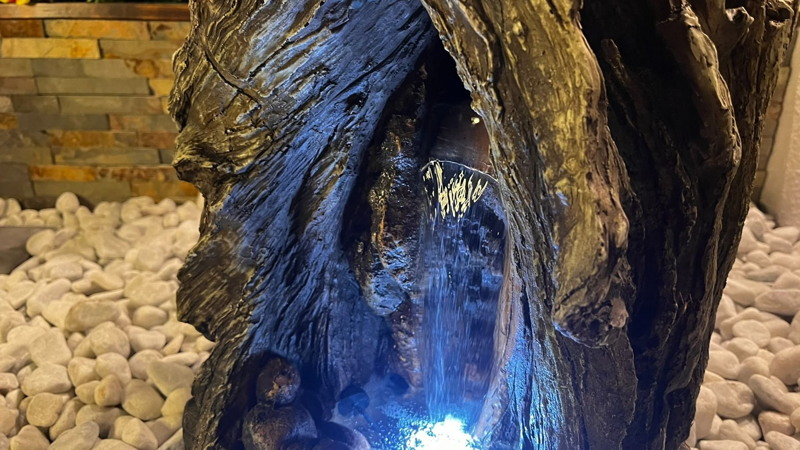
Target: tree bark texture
{"x": 624, "y": 138}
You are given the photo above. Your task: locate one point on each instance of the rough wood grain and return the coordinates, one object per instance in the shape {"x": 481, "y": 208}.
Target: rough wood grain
{"x": 624, "y": 138}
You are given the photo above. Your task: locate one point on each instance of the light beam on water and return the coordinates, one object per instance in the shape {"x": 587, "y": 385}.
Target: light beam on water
{"x": 462, "y": 254}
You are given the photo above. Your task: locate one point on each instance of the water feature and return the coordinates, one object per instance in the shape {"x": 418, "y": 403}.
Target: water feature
{"x": 462, "y": 254}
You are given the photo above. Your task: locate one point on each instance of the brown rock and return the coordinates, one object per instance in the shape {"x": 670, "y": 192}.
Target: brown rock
{"x": 49, "y": 48}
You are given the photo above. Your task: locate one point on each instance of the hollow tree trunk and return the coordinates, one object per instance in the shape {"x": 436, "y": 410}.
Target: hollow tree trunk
{"x": 623, "y": 136}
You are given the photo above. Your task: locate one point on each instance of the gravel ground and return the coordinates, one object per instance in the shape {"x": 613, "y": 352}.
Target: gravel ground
{"x": 749, "y": 397}
{"x": 91, "y": 353}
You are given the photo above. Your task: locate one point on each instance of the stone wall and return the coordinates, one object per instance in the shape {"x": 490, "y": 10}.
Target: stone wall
{"x": 83, "y": 107}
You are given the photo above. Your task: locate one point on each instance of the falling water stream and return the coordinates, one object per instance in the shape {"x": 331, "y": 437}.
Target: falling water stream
{"x": 462, "y": 252}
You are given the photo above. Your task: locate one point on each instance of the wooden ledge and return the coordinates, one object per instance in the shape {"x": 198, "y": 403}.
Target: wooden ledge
{"x": 119, "y": 11}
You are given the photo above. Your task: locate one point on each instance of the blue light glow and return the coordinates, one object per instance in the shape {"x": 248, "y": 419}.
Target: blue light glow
{"x": 448, "y": 434}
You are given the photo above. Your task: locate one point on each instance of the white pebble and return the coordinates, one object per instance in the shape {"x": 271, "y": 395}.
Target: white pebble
{"x": 775, "y": 421}
{"x": 102, "y": 416}
{"x": 771, "y": 395}
{"x": 167, "y": 377}
{"x": 139, "y": 362}
{"x": 752, "y": 330}
{"x": 110, "y": 340}
{"x": 149, "y": 316}
{"x": 786, "y": 365}
{"x": 142, "y": 401}
{"x": 29, "y": 438}
{"x": 734, "y": 399}
{"x": 48, "y": 377}
{"x": 705, "y": 411}
{"x": 137, "y": 434}
{"x": 778, "y": 441}
{"x": 114, "y": 364}
{"x": 108, "y": 392}
{"x": 67, "y": 203}
{"x": 44, "y": 409}
{"x": 51, "y": 347}
{"x": 82, "y": 437}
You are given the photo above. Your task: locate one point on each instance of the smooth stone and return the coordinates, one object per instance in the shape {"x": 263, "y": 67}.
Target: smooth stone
{"x": 734, "y": 399}
{"x": 67, "y": 203}
{"x": 85, "y": 315}
{"x": 723, "y": 363}
{"x": 48, "y": 377}
{"x": 786, "y": 365}
{"x": 777, "y": 244}
{"x": 770, "y": 395}
{"x": 113, "y": 444}
{"x": 66, "y": 420}
{"x": 110, "y": 340}
{"x": 785, "y": 302}
{"x": 82, "y": 370}
{"x": 142, "y": 401}
{"x": 101, "y": 415}
{"x": 766, "y": 355}
{"x": 176, "y": 401}
{"x": 107, "y": 281}
{"x": 787, "y": 280}
{"x": 119, "y": 426}
{"x": 706, "y": 410}
{"x": 174, "y": 346}
{"x": 175, "y": 442}
{"x": 151, "y": 258}
{"x": 109, "y": 392}
{"x": 752, "y": 366}
{"x": 791, "y": 262}
{"x": 767, "y": 274}
{"x": 47, "y": 293}
{"x": 152, "y": 293}
{"x": 139, "y": 362}
{"x": 51, "y": 347}
{"x": 24, "y": 335}
{"x": 723, "y": 445}
{"x": 165, "y": 427}
{"x": 56, "y": 312}
{"x": 730, "y": 430}
{"x": 750, "y": 426}
{"x": 790, "y": 234}
{"x": 778, "y": 328}
{"x": 147, "y": 340}
{"x": 71, "y": 271}
{"x": 41, "y": 242}
{"x": 775, "y": 421}
{"x": 759, "y": 257}
{"x": 82, "y": 437}
{"x": 167, "y": 377}
{"x": 85, "y": 392}
{"x": 8, "y": 420}
{"x": 44, "y": 409}
{"x": 29, "y": 438}
{"x": 149, "y": 316}
{"x": 137, "y": 434}
{"x": 183, "y": 358}
{"x": 778, "y": 441}
{"x": 752, "y": 330}
{"x": 778, "y": 344}
{"x": 113, "y": 364}
{"x": 741, "y": 347}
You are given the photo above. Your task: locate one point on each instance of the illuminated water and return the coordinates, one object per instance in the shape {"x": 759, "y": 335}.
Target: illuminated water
{"x": 462, "y": 252}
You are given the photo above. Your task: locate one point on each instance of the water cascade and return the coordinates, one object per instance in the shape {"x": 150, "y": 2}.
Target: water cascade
{"x": 462, "y": 254}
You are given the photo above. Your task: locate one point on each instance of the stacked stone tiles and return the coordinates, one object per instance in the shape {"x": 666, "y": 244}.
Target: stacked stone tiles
{"x": 83, "y": 108}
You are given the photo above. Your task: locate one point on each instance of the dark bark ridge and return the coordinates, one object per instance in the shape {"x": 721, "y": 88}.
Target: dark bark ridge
{"x": 625, "y": 177}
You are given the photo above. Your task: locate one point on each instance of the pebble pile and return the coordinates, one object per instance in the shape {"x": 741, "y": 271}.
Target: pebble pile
{"x": 750, "y": 397}
{"x": 91, "y": 353}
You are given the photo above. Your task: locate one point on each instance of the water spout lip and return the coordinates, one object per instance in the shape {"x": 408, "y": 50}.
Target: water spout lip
{"x": 483, "y": 173}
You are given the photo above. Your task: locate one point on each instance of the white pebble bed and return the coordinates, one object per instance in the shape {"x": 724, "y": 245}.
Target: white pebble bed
{"x": 750, "y": 397}
{"x": 91, "y": 353}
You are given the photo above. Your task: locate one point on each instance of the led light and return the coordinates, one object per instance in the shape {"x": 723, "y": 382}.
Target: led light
{"x": 448, "y": 434}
